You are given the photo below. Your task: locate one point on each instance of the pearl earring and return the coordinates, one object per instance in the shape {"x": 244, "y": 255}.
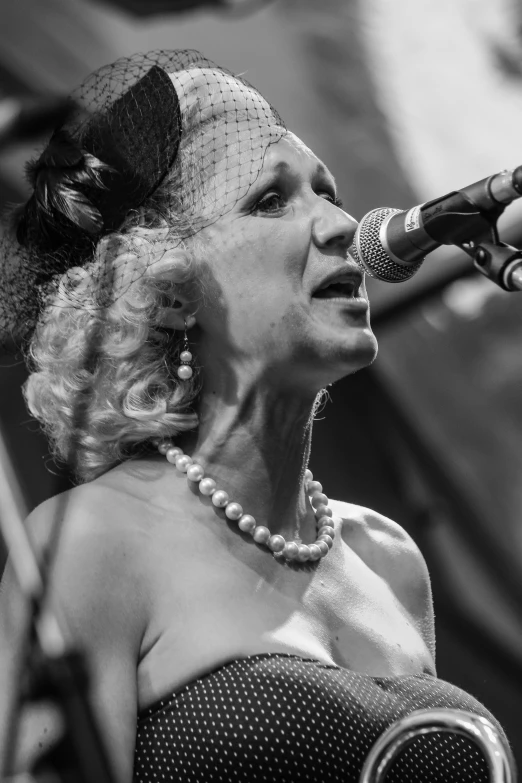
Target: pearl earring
{"x": 185, "y": 370}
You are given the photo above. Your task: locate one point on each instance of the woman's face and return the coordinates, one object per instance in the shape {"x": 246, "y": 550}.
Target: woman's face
{"x": 267, "y": 266}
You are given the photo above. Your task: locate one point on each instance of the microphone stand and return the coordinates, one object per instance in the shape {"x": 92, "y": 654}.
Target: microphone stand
{"x": 49, "y": 669}
{"x": 476, "y": 233}
{"x": 499, "y": 262}
{"x": 478, "y": 236}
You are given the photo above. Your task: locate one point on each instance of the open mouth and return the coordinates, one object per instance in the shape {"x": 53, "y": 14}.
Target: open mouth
{"x": 347, "y": 288}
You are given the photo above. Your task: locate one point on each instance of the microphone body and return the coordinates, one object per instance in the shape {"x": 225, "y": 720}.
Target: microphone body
{"x": 391, "y": 244}
{"x": 27, "y": 119}
{"x": 153, "y": 7}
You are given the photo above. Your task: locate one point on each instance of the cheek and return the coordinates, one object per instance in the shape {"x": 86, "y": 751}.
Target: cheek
{"x": 256, "y": 267}
{"x": 256, "y": 279}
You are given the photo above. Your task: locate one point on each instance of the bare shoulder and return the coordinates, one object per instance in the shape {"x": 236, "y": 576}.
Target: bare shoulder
{"x": 390, "y": 551}
{"x": 98, "y": 564}
{"x": 90, "y": 515}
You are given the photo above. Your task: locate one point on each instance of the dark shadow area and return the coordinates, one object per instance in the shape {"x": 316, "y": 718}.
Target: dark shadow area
{"x": 39, "y": 476}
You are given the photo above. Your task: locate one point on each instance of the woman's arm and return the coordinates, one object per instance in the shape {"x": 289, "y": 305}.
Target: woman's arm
{"x": 97, "y": 591}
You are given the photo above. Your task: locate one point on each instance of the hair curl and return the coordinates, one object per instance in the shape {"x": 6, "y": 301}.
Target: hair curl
{"x": 104, "y": 381}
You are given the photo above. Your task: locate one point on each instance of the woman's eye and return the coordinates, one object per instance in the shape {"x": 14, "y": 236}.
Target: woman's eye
{"x": 334, "y": 200}
{"x": 271, "y": 202}
{"x": 274, "y": 201}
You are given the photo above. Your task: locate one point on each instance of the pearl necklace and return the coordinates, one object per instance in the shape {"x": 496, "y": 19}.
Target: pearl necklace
{"x": 289, "y": 550}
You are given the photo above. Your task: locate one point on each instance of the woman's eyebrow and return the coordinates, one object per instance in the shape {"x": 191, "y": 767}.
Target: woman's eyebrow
{"x": 320, "y": 170}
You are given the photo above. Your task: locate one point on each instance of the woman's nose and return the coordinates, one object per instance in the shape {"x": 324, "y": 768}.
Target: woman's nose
{"x": 333, "y": 226}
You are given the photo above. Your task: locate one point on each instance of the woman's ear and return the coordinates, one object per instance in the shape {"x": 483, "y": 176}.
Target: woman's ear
{"x": 178, "y": 315}
{"x": 176, "y": 266}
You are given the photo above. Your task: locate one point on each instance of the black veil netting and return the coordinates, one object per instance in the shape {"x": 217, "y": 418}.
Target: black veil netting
{"x": 168, "y": 134}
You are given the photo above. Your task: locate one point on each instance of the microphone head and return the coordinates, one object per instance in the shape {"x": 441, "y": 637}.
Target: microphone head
{"x": 369, "y": 248}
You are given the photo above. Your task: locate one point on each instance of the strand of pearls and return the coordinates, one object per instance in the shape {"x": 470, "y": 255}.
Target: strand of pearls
{"x": 289, "y": 550}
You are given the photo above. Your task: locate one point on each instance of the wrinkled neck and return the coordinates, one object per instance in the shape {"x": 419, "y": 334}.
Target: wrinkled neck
{"x": 255, "y": 443}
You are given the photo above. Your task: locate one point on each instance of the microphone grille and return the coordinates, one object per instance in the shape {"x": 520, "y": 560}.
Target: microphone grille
{"x": 367, "y": 249}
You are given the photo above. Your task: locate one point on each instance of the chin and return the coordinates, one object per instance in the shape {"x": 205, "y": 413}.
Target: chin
{"x": 331, "y": 358}
{"x": 371, "y": 348}
{"x": 361, "y": 352}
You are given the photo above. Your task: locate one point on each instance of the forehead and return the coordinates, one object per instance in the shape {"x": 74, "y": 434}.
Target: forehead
{"x": 292, "y": 150}
{"x": 286, "y": 155}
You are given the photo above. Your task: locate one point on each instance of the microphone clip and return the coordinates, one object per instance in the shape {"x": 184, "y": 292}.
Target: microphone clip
{"x": 497, "y": 261}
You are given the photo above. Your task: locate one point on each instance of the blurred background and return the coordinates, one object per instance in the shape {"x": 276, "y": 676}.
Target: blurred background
{"x": 404, "y": 102}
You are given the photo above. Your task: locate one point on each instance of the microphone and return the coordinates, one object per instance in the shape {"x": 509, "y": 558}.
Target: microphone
{"x": 27, "y": 119}
{"x": 152, "y": 7}
{"x": 391, "y": 244}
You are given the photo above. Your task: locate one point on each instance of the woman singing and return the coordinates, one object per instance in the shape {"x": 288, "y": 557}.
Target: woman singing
{"x": 189, "y": 292}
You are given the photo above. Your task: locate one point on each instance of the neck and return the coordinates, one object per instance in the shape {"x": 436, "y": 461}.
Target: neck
{"x": 255, "y": 443}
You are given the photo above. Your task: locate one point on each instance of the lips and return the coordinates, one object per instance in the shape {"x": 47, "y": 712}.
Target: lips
{"x": 340, "y": 285}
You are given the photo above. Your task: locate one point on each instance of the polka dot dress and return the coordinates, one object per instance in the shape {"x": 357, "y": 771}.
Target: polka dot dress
{"x": 277, "y": 717}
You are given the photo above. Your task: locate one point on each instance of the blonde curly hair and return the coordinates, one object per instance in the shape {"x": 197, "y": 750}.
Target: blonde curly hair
{"x": 104, "y": 382}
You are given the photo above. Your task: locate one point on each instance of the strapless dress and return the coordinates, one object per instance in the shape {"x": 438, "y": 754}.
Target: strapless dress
{"x": 279, "y": 717}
